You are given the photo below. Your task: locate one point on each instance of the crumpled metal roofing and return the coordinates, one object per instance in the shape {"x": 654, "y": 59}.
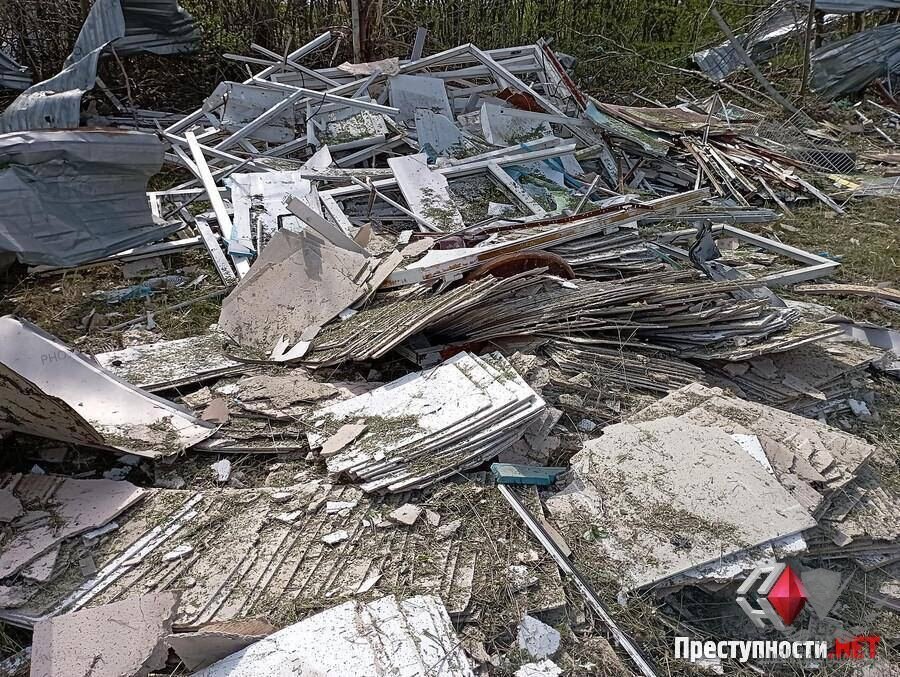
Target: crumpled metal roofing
{"x": 769, "y": 30}
{"x": 73, "y": 196}
{"x": 13, "y": 75}
{"x": 53, "y": 103}
{"x": 850, "y": 6}
{"x": 775, "y": 25}
{"x": 849, "y": 65}
{"x": 158, "y": 26}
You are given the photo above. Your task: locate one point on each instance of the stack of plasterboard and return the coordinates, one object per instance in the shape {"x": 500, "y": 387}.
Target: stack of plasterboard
{"x": 675, "y": 311}
{"x": 810, "y": 380}
{"x": 432, "y": 424}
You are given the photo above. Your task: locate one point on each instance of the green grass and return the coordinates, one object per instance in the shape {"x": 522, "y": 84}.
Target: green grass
{"x": 58, "y": 304}
{"x": 866, "y": 240}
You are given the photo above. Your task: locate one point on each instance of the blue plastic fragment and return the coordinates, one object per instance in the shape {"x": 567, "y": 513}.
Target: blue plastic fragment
{"x": 509, "y": 473}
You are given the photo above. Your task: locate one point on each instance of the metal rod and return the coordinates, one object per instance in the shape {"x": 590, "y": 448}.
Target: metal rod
{"x": 748, "y": 62}
{"x": 807, "y": 48}
{"x": 569, "y": 569}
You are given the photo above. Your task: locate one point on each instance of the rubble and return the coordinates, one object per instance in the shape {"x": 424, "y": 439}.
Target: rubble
{"x": 538, "y": 639}
{"x": 501, "y": 371}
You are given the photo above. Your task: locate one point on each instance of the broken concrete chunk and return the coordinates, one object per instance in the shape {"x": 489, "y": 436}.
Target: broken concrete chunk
{"x": 860, "y": 409}
{"x": 345, "y": 435}
{"x": 537, "y": 638}
{"x": 406, "y": 514}
{"x": 520, "y": 577}
{"x": 449, "y": 529}
{"x": 335, "y": 537}
{"x": 433, "y": 518}
{"x": 222, "y": 470}
{"x": 216, "y": 412}
{"x": 546, "y": 668}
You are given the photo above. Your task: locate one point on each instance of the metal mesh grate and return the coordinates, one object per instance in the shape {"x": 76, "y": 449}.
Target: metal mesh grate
{"x": 793, "y": 142}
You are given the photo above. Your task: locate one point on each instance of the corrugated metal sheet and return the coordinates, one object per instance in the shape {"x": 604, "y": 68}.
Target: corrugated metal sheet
{"x": 850, "y": 6}
{"x": 73, "y": 196}
{"x": 769, "y": 30}
{"x": 104, "y": 23}
{"x": 849, "y": 65}
{"x": 159, "y": 26}
{"x": 53, "y": 103}
{"x": 13, "y": 75}
{"x": 782, "y": 21}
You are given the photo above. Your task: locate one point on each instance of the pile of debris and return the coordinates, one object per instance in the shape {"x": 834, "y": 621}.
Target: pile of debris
{"x": 492, "y": 356}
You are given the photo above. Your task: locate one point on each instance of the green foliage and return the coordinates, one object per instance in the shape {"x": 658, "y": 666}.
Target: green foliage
{"x": 616, "y": 42}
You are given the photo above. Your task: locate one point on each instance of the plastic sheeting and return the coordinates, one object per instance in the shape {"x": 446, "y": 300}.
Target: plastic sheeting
{"x": 73, "y": 196}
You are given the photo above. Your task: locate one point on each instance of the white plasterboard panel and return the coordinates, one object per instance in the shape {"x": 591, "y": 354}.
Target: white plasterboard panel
{"x": 408, "y": 92}
{"x": 168, "y": 364}
{"x": 426, "y": 192}
{"x": 436, "y": 400}
{"x": 382, "y": 637}
{"x": 298, "y": 282}
{"x": 667, "y": 479}
{"x": 126, "y": 418}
